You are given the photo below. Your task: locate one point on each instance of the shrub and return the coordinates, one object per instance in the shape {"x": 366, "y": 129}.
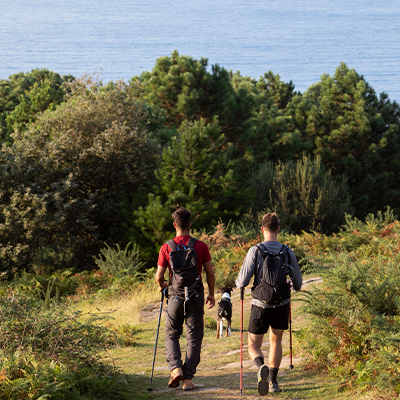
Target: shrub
{"x": 355, "y": 312}
{"x": 49, "y": 259}
{"x": 305, "y": 196}
{"x": 119, "y": 262}
{"x": 64, "y": 179}
{"x": 52, "y": 352}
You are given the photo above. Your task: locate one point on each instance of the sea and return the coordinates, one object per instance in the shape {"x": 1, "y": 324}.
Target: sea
{"x": 297, "y": 40}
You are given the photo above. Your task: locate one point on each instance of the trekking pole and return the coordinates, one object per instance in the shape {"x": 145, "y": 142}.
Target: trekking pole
{"x": 158, "y": 329}
{"x": 241, "y": 340}
{"x": 290, "y": 334}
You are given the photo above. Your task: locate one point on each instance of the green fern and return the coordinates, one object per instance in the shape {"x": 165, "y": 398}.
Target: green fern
{"x": 120, "y": 262}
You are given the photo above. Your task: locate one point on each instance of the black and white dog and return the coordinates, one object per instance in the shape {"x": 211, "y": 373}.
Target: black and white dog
{"x": 224, "y": 312}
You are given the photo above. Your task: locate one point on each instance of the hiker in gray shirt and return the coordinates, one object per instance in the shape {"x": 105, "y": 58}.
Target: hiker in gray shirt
{"x": 266, "y": 312}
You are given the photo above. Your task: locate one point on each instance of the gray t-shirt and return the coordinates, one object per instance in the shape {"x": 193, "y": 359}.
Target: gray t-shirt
{"x": 252, "y": 266}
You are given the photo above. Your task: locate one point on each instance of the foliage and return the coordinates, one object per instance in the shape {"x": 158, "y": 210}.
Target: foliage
{"x": 195, "y": 172}
{"x": 305, "y": 196}
{"x": 119, "y": 262}
{"x": 270, "y": 132}
{"x": 82, "y": 170}
{"x": 52, "y": 353}
{"x": 64, "y": 179}
{"x": 46, "y": 260}
{"x": 355, "y": 329}
{"x": 372, "y": 223}
{"x": 183, "y": 88}
{"x": 24, "y": 96}
{"x": 56, "y": 286}
{"x": 228, "y": 247}
{"x": 357, "y": 135}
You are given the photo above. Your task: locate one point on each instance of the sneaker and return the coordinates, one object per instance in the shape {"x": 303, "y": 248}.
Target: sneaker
{"x": 262, "y": 380}
{"x": 274, "y": 387}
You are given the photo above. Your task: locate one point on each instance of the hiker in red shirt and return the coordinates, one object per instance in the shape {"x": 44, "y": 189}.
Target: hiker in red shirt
{"x": 189, "y": 306}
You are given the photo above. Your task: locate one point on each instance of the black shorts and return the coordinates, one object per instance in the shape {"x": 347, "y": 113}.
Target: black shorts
{"x": 263, "y": 318}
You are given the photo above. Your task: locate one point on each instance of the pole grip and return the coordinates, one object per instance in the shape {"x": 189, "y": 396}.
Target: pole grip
{"x": 163, "y": 294}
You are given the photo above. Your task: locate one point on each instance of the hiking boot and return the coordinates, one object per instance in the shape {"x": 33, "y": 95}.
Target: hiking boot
{"x": 176, "y": 377}
{"x": 274, "y": 387}
{"x": 188, "y": 384}
{"x": 262, "y": 380}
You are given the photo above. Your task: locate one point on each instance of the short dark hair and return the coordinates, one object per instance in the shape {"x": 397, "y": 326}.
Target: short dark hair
{"x": 181, "y": 218}
{"x": 271, "y": 222}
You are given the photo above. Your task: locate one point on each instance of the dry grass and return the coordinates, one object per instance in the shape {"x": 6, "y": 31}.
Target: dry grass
{"x": 123, "y": 309}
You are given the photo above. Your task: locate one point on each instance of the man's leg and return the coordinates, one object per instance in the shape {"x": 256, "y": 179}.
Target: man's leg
{"x": 259, "y": 325}
{"x": 255, "y": 353}
{"x": 194, "y": 336}
{"x": 255, "y": 343}
{"x": 173, "y": 332}
{"x": 275, "y": 347}
{"x": 275, "y": 357}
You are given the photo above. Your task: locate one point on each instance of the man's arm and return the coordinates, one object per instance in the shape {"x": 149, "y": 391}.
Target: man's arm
{"x": 295, "y": 273}
{"x": 210, "y": 282}
{"x": 248, "y": 268}
{"x": 162, "y": 283}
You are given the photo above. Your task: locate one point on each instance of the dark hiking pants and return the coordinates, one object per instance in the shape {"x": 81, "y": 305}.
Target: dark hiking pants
{"x": 194, "y": 333}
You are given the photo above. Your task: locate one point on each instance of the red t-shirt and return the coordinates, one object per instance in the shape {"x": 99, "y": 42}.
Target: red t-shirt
{"x": 203, "y": 254}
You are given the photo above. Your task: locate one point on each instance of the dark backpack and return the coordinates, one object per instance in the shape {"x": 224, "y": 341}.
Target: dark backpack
{"x": 185, "y": 273}
{"x": 274, "y": 287}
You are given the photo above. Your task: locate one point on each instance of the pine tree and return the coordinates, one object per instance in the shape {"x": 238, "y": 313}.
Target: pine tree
{"x": 357, "y": 135}
{"x": 196, "y": 172}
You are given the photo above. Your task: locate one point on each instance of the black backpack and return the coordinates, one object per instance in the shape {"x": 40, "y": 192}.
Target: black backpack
{"x": 274, "y": 287}
{"x": 185, "y": 274}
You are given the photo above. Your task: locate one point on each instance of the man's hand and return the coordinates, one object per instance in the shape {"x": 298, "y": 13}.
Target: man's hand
{"x": 164, "y": 285}
{"x": 210, "y": 299}
{"x": 211, "y": 283}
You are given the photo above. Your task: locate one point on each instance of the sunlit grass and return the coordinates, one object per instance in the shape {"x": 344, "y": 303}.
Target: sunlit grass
{"x": 123, "y": 309}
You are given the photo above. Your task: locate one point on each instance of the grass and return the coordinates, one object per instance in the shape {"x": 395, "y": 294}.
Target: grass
{"x": 124, "y": 309}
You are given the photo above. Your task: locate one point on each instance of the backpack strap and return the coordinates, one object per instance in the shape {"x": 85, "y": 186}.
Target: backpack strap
{"x": 287, "y": 253}
{"x": 284, "y": 249}
{"x": 191, "y": 242}
{"x": 171, "y": 244}
{"x": 262, "y": 249}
